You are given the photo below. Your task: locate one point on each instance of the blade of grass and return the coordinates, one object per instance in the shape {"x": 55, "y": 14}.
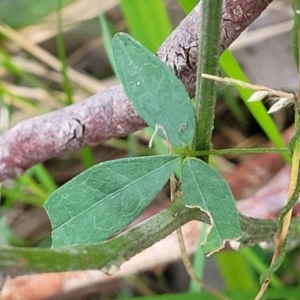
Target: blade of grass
{"x": 132, "y": 143}
{"x": 235, "y": 271}
{"x": 259, "y": 265}
{"x": 13, "y": 195}
{"x": 7, "y": 63}
{"x": 82, "y": 80}
{"x": 187, "y": 5}
{"x": 149, "y": 24}
{"x": 62, "y": 56}
{"x": 45, "y": 178}
{"x": 106, "y": 36}
{"x": 199, "y": 261}
{"x": 34, "y": 187}
{"x": 232, "y": 69}
{"x": 87, "y": 157}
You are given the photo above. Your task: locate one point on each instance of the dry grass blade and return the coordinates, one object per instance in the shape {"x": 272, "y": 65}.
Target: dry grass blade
{"x": 78, "y": 11}
{"x": 86, "y": 82}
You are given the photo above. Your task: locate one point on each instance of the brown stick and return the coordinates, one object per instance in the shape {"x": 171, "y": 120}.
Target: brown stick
{"x": 109, "y": 114}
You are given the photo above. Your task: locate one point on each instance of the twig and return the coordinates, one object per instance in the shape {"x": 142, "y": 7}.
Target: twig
{"x": 246, "y": 85}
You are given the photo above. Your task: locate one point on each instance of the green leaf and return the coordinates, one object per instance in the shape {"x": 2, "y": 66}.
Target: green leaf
{"x": 157, "y": 95}
{"x": 104, "y": 199}
{"x": 206, "y": 189}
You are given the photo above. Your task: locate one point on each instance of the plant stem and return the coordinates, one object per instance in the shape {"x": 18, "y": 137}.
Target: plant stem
{"x": 17, "y": 260}
{"x": 208, "y": 62}
{"x": 239, "y": 151}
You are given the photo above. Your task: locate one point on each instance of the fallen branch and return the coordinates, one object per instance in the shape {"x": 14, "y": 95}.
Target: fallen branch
{"x": 109, "y": 114}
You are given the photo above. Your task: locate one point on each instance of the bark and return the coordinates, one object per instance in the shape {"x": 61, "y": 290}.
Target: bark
{"x": 109, "y": 114}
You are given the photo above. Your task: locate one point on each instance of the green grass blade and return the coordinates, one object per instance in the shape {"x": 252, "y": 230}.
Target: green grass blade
{"x": 13, "y": 195}
{"x": 87, "y": 157}
{"x": 45, "y": 178}
{"x": 235, "y": 271}
{"x": 199, "y": 261}
{"x": 259, "y": 265}
{"x": 149, "y": 24}
{"x": 8, "y": 64}
{"x": 187, "y": 5}
{"x": 39, "y": 188}
{"x": 34, "y": 187}
{"x": 62, "y": 56}
{"x": 106, "y": 36}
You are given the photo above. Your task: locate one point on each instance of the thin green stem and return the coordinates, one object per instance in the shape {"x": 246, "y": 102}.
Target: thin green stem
{"x": 208, "y": 61}
{"x": 239, "y": 151}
